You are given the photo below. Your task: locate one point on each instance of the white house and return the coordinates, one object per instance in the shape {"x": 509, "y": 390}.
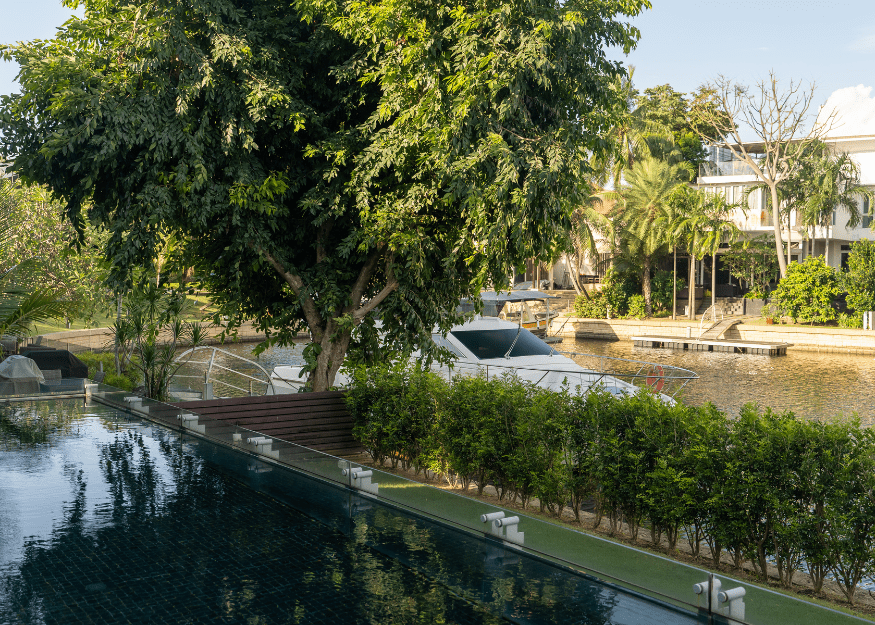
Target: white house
{"x": 853, "y": 133}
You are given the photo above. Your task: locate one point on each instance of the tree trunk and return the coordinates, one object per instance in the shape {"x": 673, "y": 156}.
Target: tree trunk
{"x": 789, "y": 240}
{"x": 645, "y": 287}
{"x": 691, "y": 290}
{"x": 714, "y": 285}
{"x": 674, "y": 287}
{"x": 118, "y": 318}
{"x": 329, "y": 360}
{"x": 776, "y": 223}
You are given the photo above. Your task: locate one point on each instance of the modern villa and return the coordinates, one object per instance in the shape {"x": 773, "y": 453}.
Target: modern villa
{"x": 725, "y": 174}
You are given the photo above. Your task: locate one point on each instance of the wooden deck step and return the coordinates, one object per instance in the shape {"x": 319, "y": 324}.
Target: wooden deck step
{"x": 719, "y": 328}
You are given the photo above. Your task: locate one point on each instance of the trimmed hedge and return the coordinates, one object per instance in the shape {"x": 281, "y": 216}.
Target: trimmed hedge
{"x": 760, "y": 486}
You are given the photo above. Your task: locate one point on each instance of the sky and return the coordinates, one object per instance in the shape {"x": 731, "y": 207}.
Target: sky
{"x": 684, "y": 43}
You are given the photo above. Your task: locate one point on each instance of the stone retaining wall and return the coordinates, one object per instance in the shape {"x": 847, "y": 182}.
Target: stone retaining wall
{"x": 838, "y": 340}
{"x": 100, "y": 339}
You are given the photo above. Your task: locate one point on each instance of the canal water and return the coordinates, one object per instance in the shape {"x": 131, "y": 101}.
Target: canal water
{"x": 813, "y": 385}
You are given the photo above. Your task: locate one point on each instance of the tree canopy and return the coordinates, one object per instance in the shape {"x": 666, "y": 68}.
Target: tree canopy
{"x": 324, "y": 162}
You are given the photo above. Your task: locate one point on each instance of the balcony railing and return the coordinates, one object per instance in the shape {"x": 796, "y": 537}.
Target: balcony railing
{"x": 725, "y": 168}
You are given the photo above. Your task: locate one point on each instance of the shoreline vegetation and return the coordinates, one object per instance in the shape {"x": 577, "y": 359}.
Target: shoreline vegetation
{"x": 764, "y": 496}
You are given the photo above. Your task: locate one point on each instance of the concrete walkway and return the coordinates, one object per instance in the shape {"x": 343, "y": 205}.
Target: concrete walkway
{"x": 803, "y": 338}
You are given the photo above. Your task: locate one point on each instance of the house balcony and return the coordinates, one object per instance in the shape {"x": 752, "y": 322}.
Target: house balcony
{"x": 725, "y": 168}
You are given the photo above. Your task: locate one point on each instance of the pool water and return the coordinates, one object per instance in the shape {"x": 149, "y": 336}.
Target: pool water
{"x": 110, "y": 519}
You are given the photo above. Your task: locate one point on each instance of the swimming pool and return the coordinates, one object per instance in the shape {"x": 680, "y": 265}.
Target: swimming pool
{"x": 114, "y": 519}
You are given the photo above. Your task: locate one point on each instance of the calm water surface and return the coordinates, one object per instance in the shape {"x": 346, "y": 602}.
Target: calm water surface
{"x": 812, "y": 385}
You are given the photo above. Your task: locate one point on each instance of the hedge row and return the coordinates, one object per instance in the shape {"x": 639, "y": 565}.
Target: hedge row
{"x": 761, "y": 486}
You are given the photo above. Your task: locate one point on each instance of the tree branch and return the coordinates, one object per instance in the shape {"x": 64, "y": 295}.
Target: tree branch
{"x": 391, "y": 285}
{"x": 312, "y": 316}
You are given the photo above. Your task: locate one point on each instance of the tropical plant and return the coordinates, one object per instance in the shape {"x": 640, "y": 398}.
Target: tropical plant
{"x": 644, "y": 224}
{"x": 826, "y": 183}
{"x": 754, "y": 261}
{"x": 719, "y": 229}
{"x": 22, "y": 303}
{"x": 150, "y": 333}
{"x": 808, "y": 291}
{"x": 859, "y": 280}
{"x": 689, "y": 209}
{"x": 627, "y": 137}
{"x": 74, "y": 269}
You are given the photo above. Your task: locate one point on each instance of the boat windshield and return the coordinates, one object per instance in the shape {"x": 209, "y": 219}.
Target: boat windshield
{"x": 487, "y": 344}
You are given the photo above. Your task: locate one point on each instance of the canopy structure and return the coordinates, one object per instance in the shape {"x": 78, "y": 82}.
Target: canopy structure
{"x": 69, "y": 365}
{"x": 514, "y": 296}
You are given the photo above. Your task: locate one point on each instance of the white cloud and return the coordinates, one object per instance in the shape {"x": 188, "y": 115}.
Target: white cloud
{"x": 855, "y": 111}
{"x": 866, "y": 43}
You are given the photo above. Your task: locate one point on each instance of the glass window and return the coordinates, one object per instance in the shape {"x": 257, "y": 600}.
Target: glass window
{"x": 487, "y": 344}
{"x": 867, "y": 213}
{"x": 441, "y": 341}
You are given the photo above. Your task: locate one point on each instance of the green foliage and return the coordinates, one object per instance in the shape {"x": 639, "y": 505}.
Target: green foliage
{"x": 317, "y": 158}
{"x": 807, "y": 292}
{"x": 24, "y": 298}
{"x": 147, "y": 337}
{"x": 763, "y": 486}
{"x": 672, "y": 110}
{"x": 637, "y": 307}
{"x": 662, "y": 283}
{"x": 127, "y": 380}
{"x": 617, "y": 290}
{"x": 859, "y": 280}
{"x": 593, "y": 307}
{"x": 77, "y": 273}
{"x": 849, "y": 321}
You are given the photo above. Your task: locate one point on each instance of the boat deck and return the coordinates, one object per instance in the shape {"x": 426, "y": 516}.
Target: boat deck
{"x": 713, "y": 345}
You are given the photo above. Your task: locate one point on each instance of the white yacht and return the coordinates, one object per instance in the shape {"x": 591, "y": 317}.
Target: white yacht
{"x": 491, "y": 347}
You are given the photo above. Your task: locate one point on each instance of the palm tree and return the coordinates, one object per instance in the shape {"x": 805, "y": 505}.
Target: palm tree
{"x": 21, "y": 305}
{"x": 829, "y": 182}
{"x": 690, "y": 227}
{"x": 631, "y": 136}
{"x": 718, "y": 229}
{"x": 644, "y": 226}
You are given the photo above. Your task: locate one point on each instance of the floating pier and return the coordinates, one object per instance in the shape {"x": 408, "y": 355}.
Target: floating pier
{"x": 713, "y": 345}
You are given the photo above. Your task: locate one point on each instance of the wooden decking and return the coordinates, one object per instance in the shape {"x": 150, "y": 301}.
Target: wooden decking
{"x": 719, "y": 328}
{"x": 319, "y": 421}
{"x": 713, "y": 345}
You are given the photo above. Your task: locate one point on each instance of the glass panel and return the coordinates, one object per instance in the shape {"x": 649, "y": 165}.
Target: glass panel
{"x": 641, "y": 571}
{"x": 486, "y": 344}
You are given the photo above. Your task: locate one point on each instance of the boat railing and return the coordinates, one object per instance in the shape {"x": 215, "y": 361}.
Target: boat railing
{"x": 216, "y": 377}
{"x": 666, "y": 379}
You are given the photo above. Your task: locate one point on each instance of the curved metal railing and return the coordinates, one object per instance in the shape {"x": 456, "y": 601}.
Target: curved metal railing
{"x": 231, "y": 377}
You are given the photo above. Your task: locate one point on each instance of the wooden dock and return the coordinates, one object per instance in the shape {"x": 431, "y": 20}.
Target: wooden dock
{"x": 712, "y": 345}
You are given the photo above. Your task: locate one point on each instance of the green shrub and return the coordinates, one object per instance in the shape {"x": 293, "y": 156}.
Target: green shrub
{"x": 636, "y": 307}
{"x": 661, "y": 289}
{"x": 126, "y": 381}
{"x": 763, "y": 487}
{"x": 618, "y": 287}
{"x": 859, "y": 280}
{"x": 807, "y": 292}
{"x": 593, "y": 307}
{"x": 850, "y": 321}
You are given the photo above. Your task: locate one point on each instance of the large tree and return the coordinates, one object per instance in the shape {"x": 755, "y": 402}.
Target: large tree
{"x": 777, "y": 117}
{"x": 371, "y": 159}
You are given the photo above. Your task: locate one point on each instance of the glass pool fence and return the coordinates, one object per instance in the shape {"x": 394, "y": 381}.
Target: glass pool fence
{"x": 717, "y": 597}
